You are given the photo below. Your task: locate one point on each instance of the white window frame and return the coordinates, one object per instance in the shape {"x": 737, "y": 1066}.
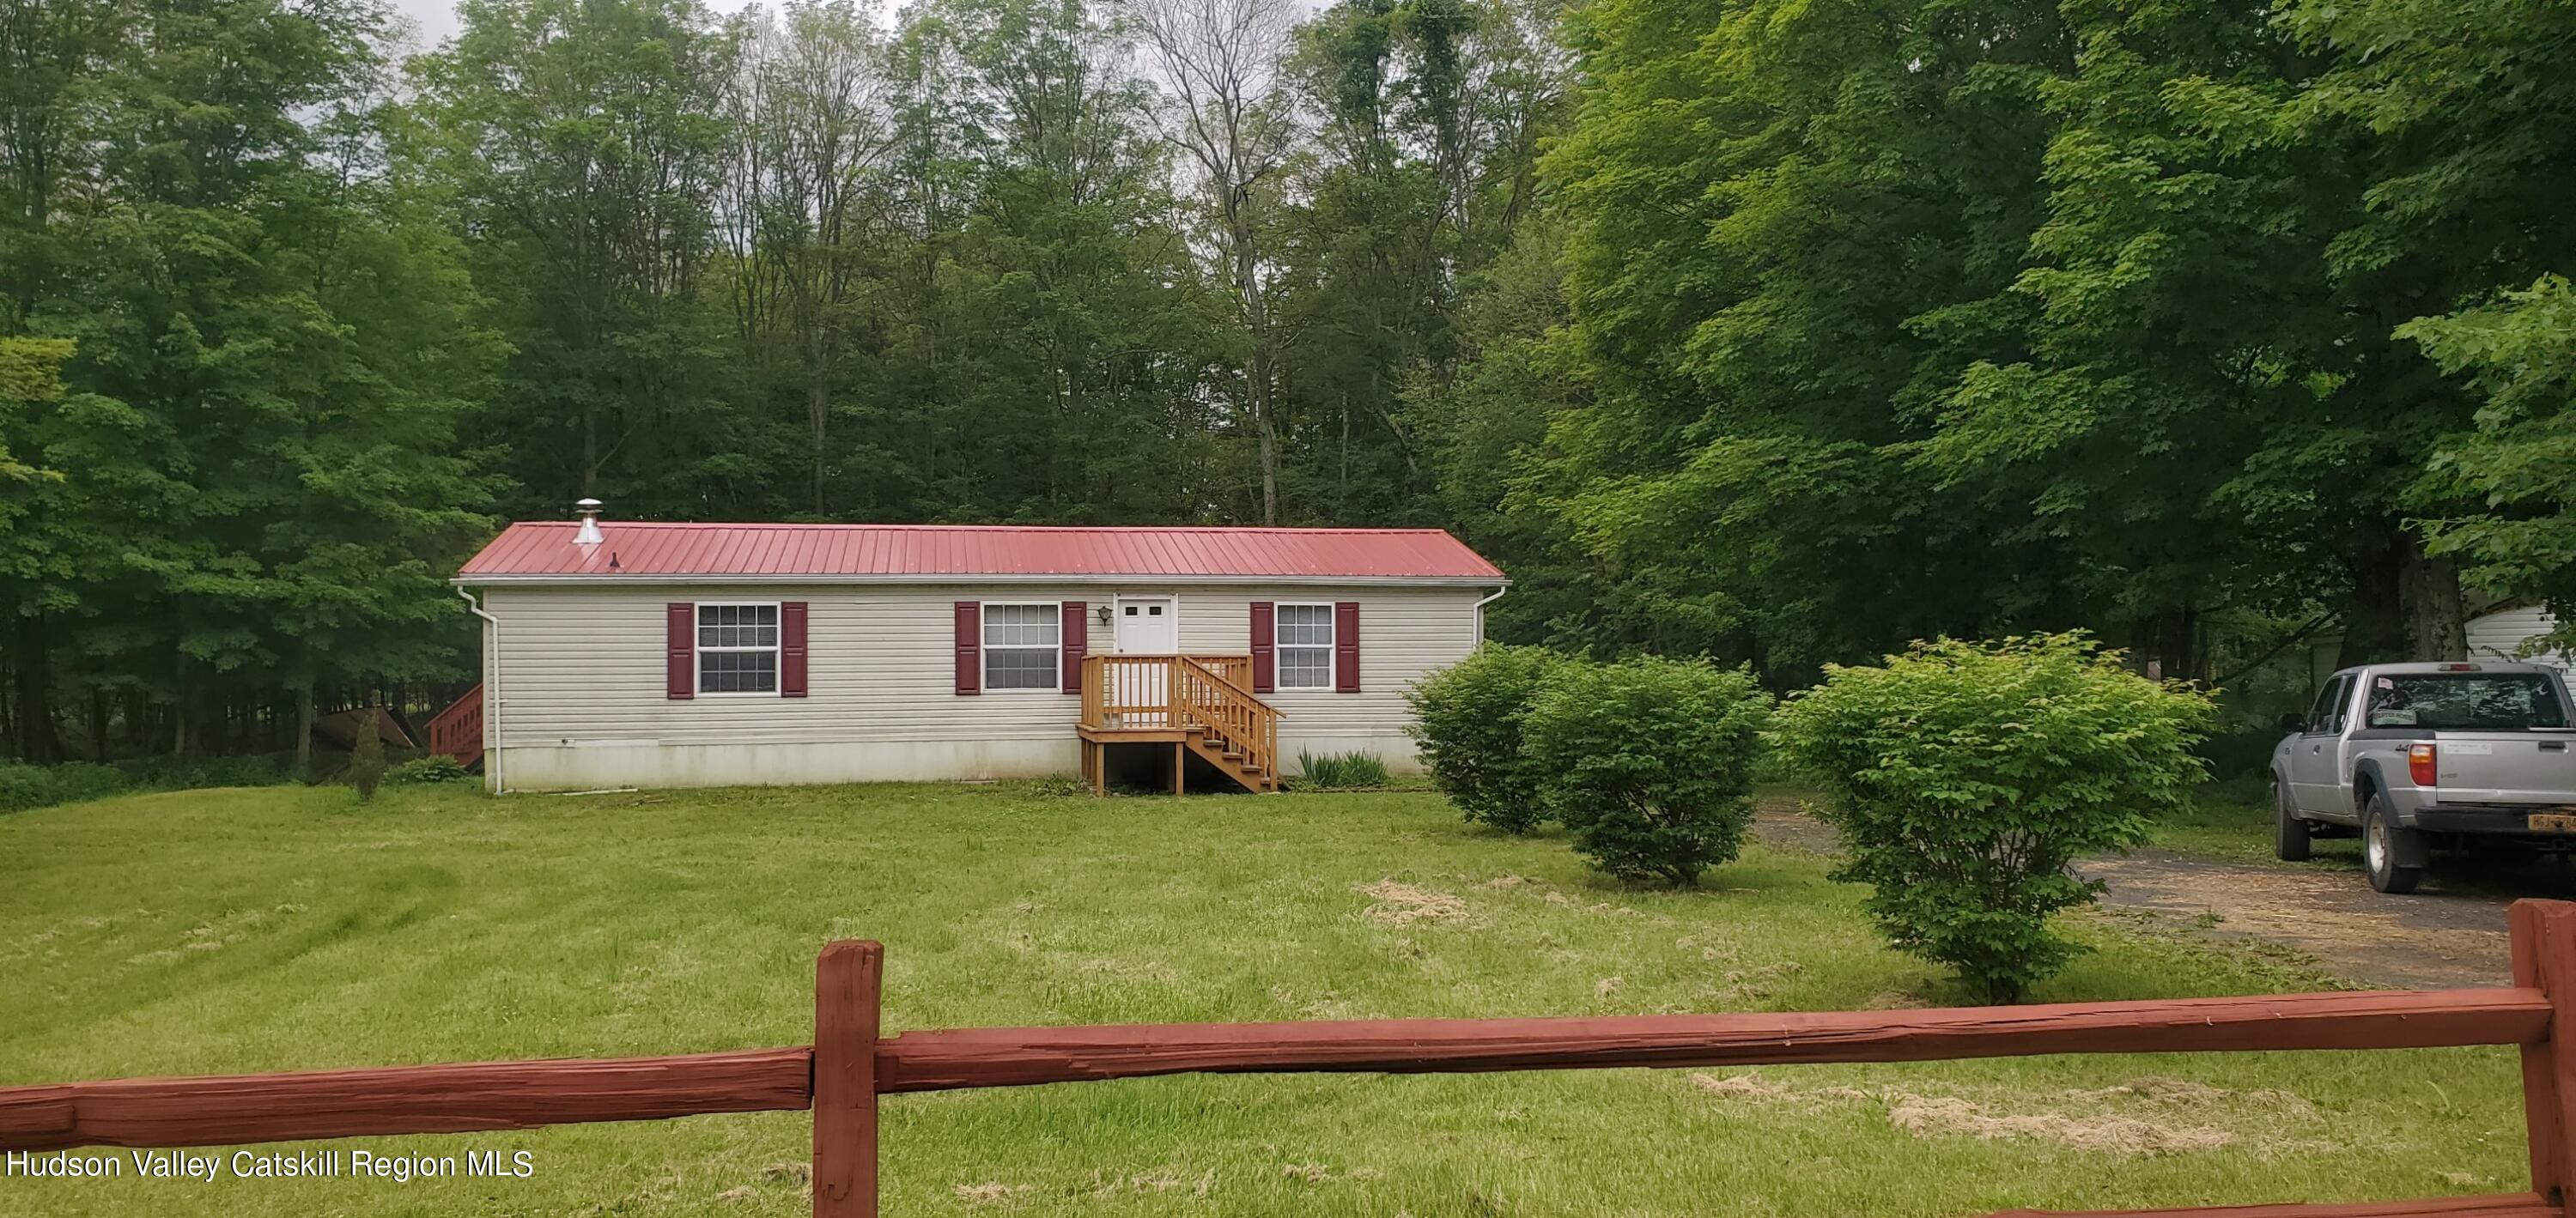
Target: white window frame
{"x": 1332, "y": 641}
{"x": 698, "y": 671}
{"x": 984, "y": 650}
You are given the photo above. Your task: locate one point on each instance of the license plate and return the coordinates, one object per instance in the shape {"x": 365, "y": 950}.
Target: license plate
{"x": 2552, "y": 822}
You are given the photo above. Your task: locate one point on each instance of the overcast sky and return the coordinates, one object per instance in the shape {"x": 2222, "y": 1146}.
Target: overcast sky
{"x": 437, "y": 18}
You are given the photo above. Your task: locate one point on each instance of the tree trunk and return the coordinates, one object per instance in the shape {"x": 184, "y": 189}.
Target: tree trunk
{"x": 817, "y": 405}
{"x": 2374, "y": 628}
{"x": 2437, "y": 620}
{"x": 304, "y": 726}
{"x": 38, "y": 743}
{"x": 179, "y": 711}
{"x": 1256, "y": 373}
{"x": 1256, "y": 362}
{"x": 2178, "y": 652}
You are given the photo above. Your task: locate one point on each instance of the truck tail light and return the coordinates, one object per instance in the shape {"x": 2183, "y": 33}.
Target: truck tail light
{"x": 2419, "y": 765}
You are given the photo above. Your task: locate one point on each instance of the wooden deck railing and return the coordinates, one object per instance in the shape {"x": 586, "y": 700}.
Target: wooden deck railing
{"x": 1200, "y": 700}
{"x": 1134, "y": 692}
{"x": 1127, "y": 693}
{"x": 1233, "y": 720}
{"x": 458, "y": 730}
{"x": 851, "y": 1064}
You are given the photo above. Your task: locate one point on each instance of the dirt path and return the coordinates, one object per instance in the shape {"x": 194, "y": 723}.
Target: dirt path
{"x": 2449, "y": 933}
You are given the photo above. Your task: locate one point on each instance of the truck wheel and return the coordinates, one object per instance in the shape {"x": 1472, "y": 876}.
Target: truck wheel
{"x": 2289, "y": 833}
{"x": 2379, "y": 838}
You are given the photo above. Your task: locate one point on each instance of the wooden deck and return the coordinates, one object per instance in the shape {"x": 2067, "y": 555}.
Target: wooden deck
{"x": 458, "y": 730}
{"x": 1195, "y": 704}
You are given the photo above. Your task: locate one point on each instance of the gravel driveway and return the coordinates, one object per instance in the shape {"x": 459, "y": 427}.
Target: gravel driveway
{"x": 2449, "y": 933}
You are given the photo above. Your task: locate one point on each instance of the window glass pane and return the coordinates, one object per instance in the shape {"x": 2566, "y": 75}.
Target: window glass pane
{"x": 737, "y": 625}
{"x": 737, "y": 672}
{"x": 2321, "y": 715}
{"x": 1305, "y": 625}
{"x": 1020, "y": 668}
{"x": 738, "y": 649}
{"x": 2490, "y": 702}
{"x": 1305, "y": 667}
{"x": 1020, "y": 625}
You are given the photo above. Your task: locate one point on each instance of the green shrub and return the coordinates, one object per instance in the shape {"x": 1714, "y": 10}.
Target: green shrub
{"x": 191, "y": 773}
{"x": 1965, "y": 778}
{"x": 436, "y": 767}
{"x": 367, "y": 758}
{"x": 1056, "y": 786}
{"x": 1340, "y": 771}
{"x": 1467, "y": 720}
{"x": 42, "y": 786}
{"x": 1649, "y": 761}
{"x": 28, "y": 786}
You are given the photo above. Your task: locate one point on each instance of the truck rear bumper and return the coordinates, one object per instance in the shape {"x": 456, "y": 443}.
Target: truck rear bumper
{"x": 2494, "y": 820}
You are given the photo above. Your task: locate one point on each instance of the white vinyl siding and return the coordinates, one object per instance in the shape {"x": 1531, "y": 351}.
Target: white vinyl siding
{"x": 2500, "y": 636}
{"x": 1406, "y": 634}
{"x": 580, "y": 676}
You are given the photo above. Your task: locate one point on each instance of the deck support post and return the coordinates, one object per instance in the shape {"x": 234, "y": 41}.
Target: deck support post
{"x": 849, "y": 984}
{"x": 2544, "y": 958}
{"x": 1180, "y": 759}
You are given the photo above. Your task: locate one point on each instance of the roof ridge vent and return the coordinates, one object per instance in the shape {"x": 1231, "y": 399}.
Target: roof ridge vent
{"x": 589, "y": 534}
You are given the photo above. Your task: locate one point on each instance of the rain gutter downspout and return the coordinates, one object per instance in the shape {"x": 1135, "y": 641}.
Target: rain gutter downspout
{"x": 492, "y": 691}
{"x": 1480, "y": 610}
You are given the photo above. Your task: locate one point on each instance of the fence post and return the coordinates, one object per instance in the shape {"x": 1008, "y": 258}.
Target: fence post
{"x": 849, "y": 980}
{"x": 2544, "y": 958}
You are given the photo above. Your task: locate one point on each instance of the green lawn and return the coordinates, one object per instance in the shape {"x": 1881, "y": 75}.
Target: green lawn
{"x": 278, "y": 929}
{"x": 2230, "y": 820}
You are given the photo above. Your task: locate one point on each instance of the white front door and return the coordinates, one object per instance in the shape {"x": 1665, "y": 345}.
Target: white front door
{"x": 1148, "y": 625}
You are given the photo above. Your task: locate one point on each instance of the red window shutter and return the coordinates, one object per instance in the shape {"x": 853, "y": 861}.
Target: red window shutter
{"x": 1077, "y": 643}
{"x": 1265, "y": 647}
{"x": 1346, "y": 647}
{"x": 970, "y": 647}
{"x": 791, "y": 649}
{"x": 680, "y": 648}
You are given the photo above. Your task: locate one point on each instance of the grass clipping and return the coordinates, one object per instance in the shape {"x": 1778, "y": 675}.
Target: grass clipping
{"x": 2145, "y": 1117}
{"x": 1392, "y": 903}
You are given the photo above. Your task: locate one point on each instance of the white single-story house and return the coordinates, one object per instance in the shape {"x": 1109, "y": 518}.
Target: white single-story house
{"x": 654, "y": 654}
{"x": 2507, "y": 634}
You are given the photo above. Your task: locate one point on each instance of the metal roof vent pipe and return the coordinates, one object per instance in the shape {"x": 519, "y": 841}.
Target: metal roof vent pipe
{"x": 589, "y": 534}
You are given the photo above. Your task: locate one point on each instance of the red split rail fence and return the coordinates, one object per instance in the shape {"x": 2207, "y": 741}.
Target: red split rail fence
{"x": 851, "y": 1063}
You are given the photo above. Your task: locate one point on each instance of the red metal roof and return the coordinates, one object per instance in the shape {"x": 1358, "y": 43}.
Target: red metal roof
{"x": 639, "y": 550}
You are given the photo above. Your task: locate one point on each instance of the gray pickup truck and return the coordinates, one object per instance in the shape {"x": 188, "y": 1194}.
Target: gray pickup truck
{"x": 2410, "y": 756}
